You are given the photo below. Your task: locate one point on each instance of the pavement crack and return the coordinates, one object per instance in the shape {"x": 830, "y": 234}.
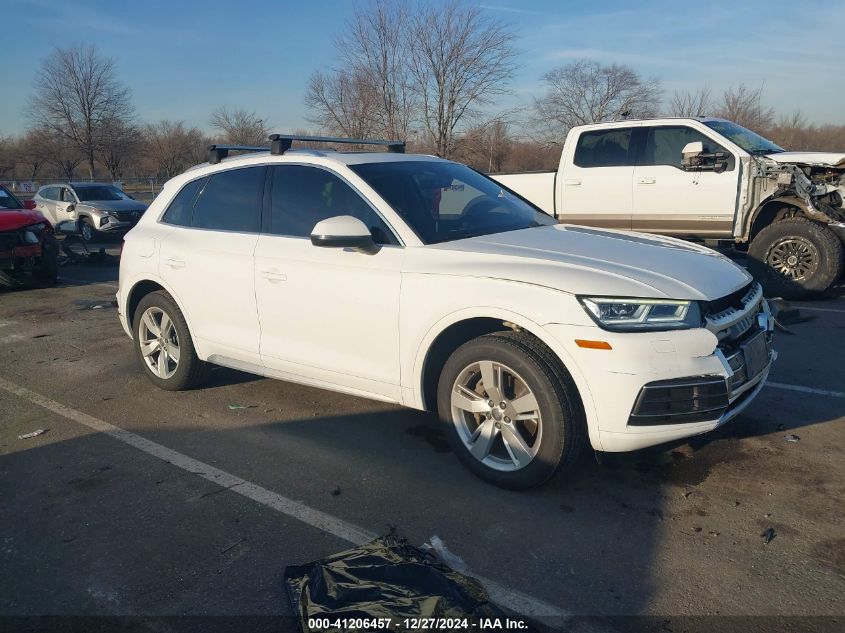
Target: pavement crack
{"x": 223, "y": 489}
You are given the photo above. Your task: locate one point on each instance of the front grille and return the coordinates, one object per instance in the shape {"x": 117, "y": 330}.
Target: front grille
{"x": 127, "y": 216}
{"x": 680, "y": 400}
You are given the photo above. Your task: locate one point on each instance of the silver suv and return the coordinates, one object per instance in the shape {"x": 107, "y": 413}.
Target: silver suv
{"x": 96, "y": 208}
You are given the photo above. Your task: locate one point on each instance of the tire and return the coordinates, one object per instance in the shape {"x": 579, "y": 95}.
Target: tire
{"x": 551, "y": 442}
{"x": 48, "y": 265}
{"x": 87, "y": 230}
{"x": 795, "y": 257}
{"x": 175, "y": 374}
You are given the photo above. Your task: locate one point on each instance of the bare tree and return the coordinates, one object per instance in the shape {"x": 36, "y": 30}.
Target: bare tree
{"x": 170, "y": 147}
{"x": 374, "y": 47}
{"x": 342, "y": 103}
{"x": 485, "y": 146}
{"x": 691, "y": 103}
{"x": 239, "y": 126}
{"x": 744, "y": 105}
{"x": 461, "y": 59}
{"x": 65, "y": 155}
{"x": 120, "y": 146}
{"x": 76, "y": 92}
{"x": 587, "y": 92}
{"x": 34, "y": 150}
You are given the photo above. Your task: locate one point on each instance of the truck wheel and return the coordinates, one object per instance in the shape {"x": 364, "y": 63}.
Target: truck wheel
{"x": 512, "y": 415}
{"x": 795, "y": 257}
{"x": 164, "y": 345}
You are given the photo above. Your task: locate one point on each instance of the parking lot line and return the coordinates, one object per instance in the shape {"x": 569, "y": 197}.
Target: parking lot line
{"x": 802, "y": 389}
{"x": 512, "y": 599}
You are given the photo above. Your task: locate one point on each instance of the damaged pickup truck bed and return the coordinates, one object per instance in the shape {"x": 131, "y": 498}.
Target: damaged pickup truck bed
{"x": 704, "y": 178}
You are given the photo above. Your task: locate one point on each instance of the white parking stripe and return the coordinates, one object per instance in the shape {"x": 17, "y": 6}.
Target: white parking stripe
{"x": 802, "y": 389}
{"x": 509, "y": 598}
{"x": 821, "y": 309}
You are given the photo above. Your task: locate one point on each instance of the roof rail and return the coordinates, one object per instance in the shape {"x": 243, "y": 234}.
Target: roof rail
{"x": 216, "y": 153}
{"x": 280, "y": 143}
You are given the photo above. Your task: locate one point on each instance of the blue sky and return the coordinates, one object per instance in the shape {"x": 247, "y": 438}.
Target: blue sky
{"x": 182, "y": 59}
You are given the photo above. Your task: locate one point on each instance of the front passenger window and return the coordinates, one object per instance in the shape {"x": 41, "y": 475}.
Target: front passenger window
{"x": 302, "y": 196}
{"x": 664, "y": 145}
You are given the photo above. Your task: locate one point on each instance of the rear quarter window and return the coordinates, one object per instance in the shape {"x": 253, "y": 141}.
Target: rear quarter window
{"x": 182, "y": 206}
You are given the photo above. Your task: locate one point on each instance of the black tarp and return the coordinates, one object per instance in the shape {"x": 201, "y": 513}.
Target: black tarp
{"x": 386, "y": 578}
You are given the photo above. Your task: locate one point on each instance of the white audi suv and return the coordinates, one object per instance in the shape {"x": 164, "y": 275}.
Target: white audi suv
{"x": 417, "y": 280}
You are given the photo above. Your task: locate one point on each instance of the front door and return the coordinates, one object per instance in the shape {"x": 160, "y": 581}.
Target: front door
{"x": 670, "y": 200}
{"x": 330, "y": 315}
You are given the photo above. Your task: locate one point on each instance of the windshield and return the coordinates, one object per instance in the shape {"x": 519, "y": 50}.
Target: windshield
{"x": 8, "y": 201}
{"x": 97, "y": 192}
{"x": 749, "y": 141}
{"x": 443, "y": 201}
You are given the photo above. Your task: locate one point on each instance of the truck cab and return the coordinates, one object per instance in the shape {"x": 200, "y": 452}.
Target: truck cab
{"x": 703, "y": 178}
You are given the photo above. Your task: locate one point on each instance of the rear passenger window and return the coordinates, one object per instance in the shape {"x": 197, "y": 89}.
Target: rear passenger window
{"x": 303, "y": 196}
{"x": 180, "y": 209}
{"x": 604, "y": 148}
{"x": 231, "y": 201}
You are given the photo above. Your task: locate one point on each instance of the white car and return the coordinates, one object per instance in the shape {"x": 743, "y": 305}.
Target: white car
{"x": 416, "y": 280}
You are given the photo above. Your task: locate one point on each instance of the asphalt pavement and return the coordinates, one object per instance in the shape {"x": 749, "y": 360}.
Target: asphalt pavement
{"x": 141, "y": 502}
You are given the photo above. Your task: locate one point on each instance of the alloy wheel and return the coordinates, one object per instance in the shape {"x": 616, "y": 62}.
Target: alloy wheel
{"x": 795, "y": 257}
{"x": 159, "y": 342}
{"x": 496, "y": 416}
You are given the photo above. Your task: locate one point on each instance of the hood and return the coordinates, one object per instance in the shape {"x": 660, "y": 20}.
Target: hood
{"x": 14, "y": 219}
{"x": 116, "y": 205}
{"x": 589, "y": 261}
{"x": 832, "y": 159}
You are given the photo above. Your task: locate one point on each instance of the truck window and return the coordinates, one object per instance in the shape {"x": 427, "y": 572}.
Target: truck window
{"x": 604, "y": 148}
{"x": 664, "y": 144}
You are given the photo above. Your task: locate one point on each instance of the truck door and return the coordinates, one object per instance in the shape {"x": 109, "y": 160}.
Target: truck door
{"x": 595, "y": 188}
{"x": 670, "y": 200}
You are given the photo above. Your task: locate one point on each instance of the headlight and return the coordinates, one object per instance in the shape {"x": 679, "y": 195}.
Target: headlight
{"x": 631, "y": 315}
{"x": 30, "y": 238}
{"x": 36, "y": 228}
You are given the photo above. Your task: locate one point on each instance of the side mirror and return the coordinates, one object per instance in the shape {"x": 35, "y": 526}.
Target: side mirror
{"x": 70, "y": 207}
{"x": 343, "y": 231}
{"x": 29, "y": 204}
{"x": 692, "y": 150}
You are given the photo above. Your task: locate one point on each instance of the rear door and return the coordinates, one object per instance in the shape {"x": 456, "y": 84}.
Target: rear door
{"x": 45, "y": 202}
{"x": 670, "y": 200}
{"x": 207, "y": 259}
{"x": 595, "y": 188}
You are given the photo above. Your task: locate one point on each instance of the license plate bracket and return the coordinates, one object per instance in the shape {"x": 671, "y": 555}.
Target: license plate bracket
{"x": 756, "y": 353}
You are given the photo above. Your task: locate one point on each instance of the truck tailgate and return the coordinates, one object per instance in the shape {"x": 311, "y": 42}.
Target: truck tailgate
{"x": 537, "y": 187}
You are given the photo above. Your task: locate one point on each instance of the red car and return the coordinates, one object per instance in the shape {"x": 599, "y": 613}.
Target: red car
{"x": 28, "y": 248}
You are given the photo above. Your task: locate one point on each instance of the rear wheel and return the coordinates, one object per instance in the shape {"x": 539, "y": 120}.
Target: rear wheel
{"x": 795, "y": 257}
{"x": 511, "y": 412}
{"x": 164, "y": 345}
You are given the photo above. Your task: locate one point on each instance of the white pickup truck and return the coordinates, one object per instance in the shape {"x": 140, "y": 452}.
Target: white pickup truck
{"x": 703, "y": 179}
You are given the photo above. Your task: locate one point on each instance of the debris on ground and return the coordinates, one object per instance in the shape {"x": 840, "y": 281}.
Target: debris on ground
{"x": 36, "y": 433}
{"x": 385, "y": 578}
{"x": 792, "y": 438}
{"x": 686, "y": 494}
{"x": 336, "y": 492}
{"x": 235, "y": 407}
{"x": 768, "y": 535}
{"x": 696, "y": 529}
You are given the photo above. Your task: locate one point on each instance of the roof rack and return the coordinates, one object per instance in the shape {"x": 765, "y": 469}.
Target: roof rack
{"x": 280, "y": 143}
{"x": 216, "y": 153}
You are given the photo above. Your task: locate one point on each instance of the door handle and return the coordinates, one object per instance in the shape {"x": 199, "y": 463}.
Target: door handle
{"x": 646, "y": 181}
{"x": 573, "y": 182}
{"x": 273, "y": 275}
{"x": 175, "y": 262}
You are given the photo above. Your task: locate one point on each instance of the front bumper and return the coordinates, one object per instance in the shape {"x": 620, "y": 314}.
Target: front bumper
{"x": 114, "y": 226}
{"x": 681, "y": 383}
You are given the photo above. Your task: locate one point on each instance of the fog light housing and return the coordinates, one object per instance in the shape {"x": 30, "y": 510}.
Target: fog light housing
{"x": 680, "y": 401}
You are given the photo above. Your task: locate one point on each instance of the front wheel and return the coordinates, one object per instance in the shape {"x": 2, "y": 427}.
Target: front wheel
{"x": 86, "y": 228}
{"x": 512, "y": 413}
{"x": 795, "y": 257}
{"x": 164, "y": 345}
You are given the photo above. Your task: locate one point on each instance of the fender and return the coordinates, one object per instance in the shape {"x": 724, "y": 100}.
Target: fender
{"x": 148, "y": 276}
{"x": 416, "y": 399}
